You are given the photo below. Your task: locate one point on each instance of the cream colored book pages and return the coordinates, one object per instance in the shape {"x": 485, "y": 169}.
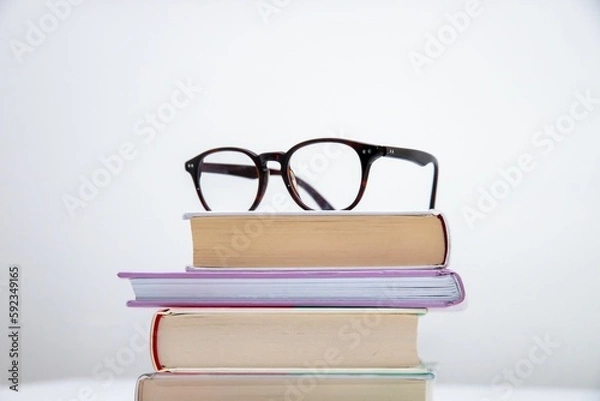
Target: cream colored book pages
{"x": 319, "y": 239}
{"x": 280, "y": 339}
{"x": 265, "y": 388}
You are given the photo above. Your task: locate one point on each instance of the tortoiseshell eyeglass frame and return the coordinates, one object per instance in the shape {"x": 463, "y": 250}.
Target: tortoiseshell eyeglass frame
{"x": 367, "y": 154}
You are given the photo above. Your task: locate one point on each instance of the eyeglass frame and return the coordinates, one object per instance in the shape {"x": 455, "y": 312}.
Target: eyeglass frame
{"x": 367, "y": 154}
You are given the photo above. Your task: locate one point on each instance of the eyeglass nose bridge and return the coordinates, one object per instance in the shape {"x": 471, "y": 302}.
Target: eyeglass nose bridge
{"x": 265, "y": 158}
{"x": 270, "y": 157}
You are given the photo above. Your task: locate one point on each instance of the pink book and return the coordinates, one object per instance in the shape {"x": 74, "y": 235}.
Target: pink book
{"x": 217, "y": 287}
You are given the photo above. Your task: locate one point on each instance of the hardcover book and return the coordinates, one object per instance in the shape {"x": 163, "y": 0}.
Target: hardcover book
{"x": 319, "y": 239}
{"x": 383, "y": 288}
{"x": 284, "y": 338}
{"x": 328, "y": 385}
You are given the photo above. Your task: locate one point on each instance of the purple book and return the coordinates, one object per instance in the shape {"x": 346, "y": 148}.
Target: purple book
{"x": 217, "y": 287}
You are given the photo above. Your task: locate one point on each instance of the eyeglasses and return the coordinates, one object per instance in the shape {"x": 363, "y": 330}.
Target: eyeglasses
{"x": 325, "y": 173}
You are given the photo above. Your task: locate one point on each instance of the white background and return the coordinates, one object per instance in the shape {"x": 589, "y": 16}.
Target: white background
{"x": 307, "y": 69}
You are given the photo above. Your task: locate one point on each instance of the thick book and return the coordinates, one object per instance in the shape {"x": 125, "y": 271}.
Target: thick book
{"x": 319, "y": 385}
{"x": 284, "y": 338}
{"x": 381, "y": 288}
{"x": 319, "y": 239}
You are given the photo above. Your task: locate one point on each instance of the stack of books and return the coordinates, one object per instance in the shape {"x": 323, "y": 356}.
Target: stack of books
{"x": 309, "y": 306}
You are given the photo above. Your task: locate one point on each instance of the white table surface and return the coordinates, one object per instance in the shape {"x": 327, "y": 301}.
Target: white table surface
{"x": 122, "y": 390}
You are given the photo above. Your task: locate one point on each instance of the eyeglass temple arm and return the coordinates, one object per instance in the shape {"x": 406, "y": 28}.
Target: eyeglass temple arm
{"x": 317, "y": 197}
{"x": 250, "y": 172}
{"x": 422, "y": 159}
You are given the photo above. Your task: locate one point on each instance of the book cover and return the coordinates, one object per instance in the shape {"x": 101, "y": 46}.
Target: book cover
{"x": 284, "y": 338}
{"x": 319, "y": 385}
{"x": 297, "y": 287}
{"x": 319, "y": 239}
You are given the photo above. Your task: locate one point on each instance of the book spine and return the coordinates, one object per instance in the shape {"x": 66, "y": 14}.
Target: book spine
{"x": 459, "y": 285}
{"x": 139, "y": 386}
{"x": 446, "y": 233}
{"x": 154, "y": 339}
{"x": 461, "y": 289}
